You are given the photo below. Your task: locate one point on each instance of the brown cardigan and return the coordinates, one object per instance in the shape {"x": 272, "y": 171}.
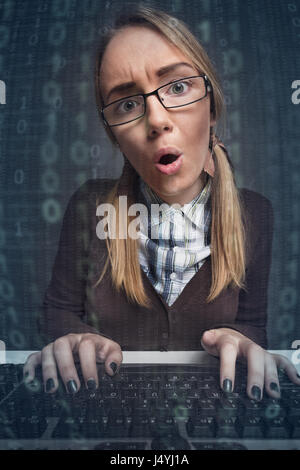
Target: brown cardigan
{"x": 72, "y": 305}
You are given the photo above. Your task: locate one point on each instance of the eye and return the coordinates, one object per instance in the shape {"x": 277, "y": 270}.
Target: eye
{"x": 127, "y": 106}
{"x": 179, "y": 88}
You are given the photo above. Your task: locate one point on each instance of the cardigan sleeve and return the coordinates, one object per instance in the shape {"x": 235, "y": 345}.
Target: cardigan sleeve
{"x": 63, "y": 309}
{"x": 251, "y": 319}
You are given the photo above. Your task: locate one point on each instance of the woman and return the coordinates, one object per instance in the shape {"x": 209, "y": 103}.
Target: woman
{"x": 197, "y": 275}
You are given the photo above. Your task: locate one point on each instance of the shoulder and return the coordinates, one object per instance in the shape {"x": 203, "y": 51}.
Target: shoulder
{"x": 256, "y": 208}
{"x": 92, "y": 192}
{"x": 94, "y": 188}
{"x": 258, "y": 217}
{"x": 81, "y": 206}
{"x": 255, "y": 202}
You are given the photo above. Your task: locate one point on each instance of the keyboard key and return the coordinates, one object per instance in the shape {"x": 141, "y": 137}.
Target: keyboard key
{"x": 206, "y": 406}
{"x": 161, "y": 426}
{"x": 228, "y": 407}
{"x": 68, "y": 428}
{"x": 293, "y": 406}
{"x": 278, "y": 428}
{"x": 252, "y": 427}
{"x": 213, "y": 394}
{"x": 141, "y": 425}
{"x": 92, "y": 428}
{"x": 201, "y": 427}
{"x": 253, "y": 407}
{"x": 173, "y": 378}
{"x": 32, "y": 427}
{"x": 117, "y": 426}
{"x": 295, "y": 427}
{"x": 227, "y": 428}
{"x": 8, "y": 427}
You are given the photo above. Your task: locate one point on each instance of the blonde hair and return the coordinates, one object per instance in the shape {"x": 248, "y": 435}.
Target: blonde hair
{"x": 227, "y": 227}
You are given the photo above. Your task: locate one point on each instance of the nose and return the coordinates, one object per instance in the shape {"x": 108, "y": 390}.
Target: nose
{"x": 158, "y": 119}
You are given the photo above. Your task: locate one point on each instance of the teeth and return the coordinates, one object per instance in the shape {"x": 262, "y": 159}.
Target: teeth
{"x": 168, "y": 158}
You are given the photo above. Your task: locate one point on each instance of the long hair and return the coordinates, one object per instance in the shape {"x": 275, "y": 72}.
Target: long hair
{"x": 227, "y": 227}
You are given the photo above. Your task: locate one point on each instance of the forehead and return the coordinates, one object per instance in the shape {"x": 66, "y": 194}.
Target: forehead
{"x": 134, "y": 54}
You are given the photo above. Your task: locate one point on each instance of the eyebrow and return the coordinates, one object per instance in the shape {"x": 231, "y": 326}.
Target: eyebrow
{"x": 159, "y": 73}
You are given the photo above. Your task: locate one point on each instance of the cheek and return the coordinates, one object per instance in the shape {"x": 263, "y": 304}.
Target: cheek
{"x": 129, "y": 143}
{"x": 196, "y": 143}
{"x": 197, "y": 128}
{"x": 131, "y": 149}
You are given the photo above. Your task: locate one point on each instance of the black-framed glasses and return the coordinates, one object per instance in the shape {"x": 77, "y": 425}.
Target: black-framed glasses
{"x": 174, "y": 94}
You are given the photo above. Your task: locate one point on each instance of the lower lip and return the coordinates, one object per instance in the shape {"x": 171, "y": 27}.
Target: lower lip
{"x": 171, "y": 168}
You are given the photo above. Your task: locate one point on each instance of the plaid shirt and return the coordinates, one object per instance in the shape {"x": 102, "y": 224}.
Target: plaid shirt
{"x": 175, "y": 242}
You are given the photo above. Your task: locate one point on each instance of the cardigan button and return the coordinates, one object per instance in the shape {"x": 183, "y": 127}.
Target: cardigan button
{"x": 173, "y": 276}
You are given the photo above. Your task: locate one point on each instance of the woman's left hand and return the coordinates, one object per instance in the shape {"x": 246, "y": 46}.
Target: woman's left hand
{"x": 262, "y": 366}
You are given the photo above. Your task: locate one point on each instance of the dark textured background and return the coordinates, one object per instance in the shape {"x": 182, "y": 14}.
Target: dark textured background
{"x": 51, "y": 140}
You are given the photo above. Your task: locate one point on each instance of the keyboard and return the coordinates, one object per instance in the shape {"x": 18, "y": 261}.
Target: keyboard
{"x": 146, "y": 407}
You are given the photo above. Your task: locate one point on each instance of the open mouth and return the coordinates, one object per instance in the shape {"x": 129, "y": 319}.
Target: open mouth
{"x": 168, "y": 158}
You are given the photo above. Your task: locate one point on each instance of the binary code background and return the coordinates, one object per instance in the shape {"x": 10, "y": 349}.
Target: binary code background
{"x": 51, "y": 140}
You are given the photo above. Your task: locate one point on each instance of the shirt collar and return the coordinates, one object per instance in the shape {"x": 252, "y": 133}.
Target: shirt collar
{"x": 190, "y": 210}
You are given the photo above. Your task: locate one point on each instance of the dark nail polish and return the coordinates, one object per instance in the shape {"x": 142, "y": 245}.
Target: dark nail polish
{"x": 298, "y": 375}
{"x": 256, "y": 392}
{"x": 227, "y": 385}
{"x": 72, "y": 386}
{"x": 113, "y": 367}
{"x": 91, "y": 385}
{"x": 26, "y": 374}
{"x": 49, "y": 385}
{"x": 274, "y": 387}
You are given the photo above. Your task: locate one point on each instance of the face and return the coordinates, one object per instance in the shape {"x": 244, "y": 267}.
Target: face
{"x": 144, "y": 58}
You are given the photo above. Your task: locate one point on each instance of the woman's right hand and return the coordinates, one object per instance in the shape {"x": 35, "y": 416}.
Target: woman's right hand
{"x": 59, "y": 356}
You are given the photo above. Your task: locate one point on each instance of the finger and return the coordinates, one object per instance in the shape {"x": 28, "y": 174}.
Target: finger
{"x": 256, "y": 364}
{"x": 29, "y": 367}
{"x": 228, "y": 354}
{"x": 112, "y": 355}
{"x": 87, "y": 356}
{"x": 209, "y": 342}
{"x": 49, "y": 369}
{"x": 271, "y": 376}
{"x": 63, "y": 352}
{"x": 288, "y": 367}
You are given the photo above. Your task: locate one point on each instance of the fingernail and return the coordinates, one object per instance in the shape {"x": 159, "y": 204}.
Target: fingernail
{"x": 49, "y": 385}
{"x": 91, "y": 384}
{"x": 256, "y": 392}
{"x": 72, "y": 386}
{"x": 274, "y": 387}
{"x": 26, "y": 374}
{"x": 298, "y": 375}
{"x": 113, "y": 367}
{"x": 227, "y": 385}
